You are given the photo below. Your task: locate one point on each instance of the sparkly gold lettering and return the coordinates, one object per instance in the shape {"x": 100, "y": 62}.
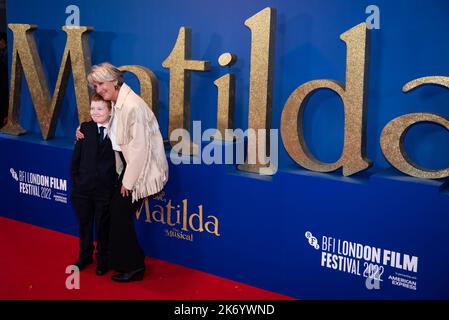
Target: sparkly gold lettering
{"x": 180, "y": 65}
{"x": 263, "y": 29}
{"x": 393, "y": 134}
{"x": 225, "y": 106}
{"x": 353, "y": 158}
{"x": 25, "y": 59}
{"x": 148, "y": 85}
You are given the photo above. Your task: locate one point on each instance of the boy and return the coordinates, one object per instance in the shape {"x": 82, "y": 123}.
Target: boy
{"x": 93, "y": 180}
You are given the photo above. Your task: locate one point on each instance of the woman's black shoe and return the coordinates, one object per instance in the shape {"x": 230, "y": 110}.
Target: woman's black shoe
{"x": 134, "y": 275}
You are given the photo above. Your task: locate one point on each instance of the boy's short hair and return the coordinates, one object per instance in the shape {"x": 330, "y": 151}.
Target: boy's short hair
{"x": 97, "y": 97}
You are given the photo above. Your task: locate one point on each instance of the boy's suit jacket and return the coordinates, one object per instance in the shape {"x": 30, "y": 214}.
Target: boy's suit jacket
{"x": 93, "y": 169}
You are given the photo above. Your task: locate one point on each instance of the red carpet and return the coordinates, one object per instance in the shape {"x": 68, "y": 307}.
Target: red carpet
{"x": 33, "y": 261}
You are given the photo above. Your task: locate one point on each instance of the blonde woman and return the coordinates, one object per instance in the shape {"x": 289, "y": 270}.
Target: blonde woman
{"x": 141, "y": 164}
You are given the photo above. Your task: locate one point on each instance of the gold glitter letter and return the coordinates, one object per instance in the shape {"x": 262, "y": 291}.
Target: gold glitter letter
{"x": 148, "y": 85}
{"x": 226, "y": 105}
{"x": 353, "y": 158}
{"x": 25, "y": 59}
{"x": 180, "y": 65}
{"x": 263, "y": 30}
{"x": 392, "y": 137}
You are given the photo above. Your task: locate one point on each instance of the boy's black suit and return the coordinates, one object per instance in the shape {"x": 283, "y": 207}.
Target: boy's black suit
{"x": 93, "y": 180}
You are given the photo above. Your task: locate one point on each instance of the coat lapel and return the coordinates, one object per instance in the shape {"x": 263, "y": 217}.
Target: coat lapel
{"x": 124, "y": 91}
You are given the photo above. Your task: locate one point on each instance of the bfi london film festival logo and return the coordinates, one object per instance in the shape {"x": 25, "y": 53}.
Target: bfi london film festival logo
{"x": 367, "y": 261}
{"x": 312, "y": 240}
{"x": 371, "y": 281}
{"x": 40, "y": 186}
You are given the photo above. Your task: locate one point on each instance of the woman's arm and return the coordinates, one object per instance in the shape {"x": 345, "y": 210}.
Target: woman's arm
{"x": 79, "y": 134}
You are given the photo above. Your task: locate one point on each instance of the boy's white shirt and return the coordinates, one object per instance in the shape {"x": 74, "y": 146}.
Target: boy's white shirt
{"x": 105, "y": 126}
{"x": 113, "y": 134}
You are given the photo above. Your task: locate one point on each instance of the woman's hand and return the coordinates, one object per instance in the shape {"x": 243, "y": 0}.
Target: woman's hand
{"x": 124, "y": 192}
{"x": 79, "y": 134}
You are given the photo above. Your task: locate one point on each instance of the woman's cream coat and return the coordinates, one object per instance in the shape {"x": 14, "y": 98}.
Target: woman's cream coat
{"x": 140, "y": 140}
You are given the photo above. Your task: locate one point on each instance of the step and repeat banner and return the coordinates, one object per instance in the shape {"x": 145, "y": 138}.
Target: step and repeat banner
{"x": 307, "y": 140}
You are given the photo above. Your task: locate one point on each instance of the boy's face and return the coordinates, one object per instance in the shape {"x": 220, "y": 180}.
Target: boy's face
{"x": 99, "y": 112}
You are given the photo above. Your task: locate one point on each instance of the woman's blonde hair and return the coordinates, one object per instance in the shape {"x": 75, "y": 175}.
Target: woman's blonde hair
{"x": 105, "y": 72}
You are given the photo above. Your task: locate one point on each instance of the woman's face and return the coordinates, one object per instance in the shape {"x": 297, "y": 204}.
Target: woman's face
{"x": 106, "y": 90}
{"x": 99, "y": 112}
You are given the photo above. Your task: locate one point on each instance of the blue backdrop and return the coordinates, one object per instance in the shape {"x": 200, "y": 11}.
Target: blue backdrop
{"x": 262, "y": 221}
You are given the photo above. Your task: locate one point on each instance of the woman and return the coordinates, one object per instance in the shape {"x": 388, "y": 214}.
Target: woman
{"x": 140, "y": 162}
